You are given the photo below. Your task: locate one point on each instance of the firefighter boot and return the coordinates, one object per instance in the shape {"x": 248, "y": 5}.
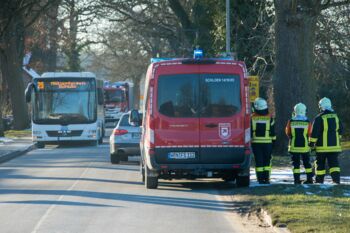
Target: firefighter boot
{"x": 260, "y": 177}
{"x": 335, "y": 177}
{"x": 297, "y": 178}
{"x": 267, "y": 177}
{"x": 319, "y": 179}
{"x": 309, "y": 179}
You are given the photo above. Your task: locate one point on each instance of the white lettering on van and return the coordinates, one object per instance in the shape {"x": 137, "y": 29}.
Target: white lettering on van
{"x": 219, "y": 80}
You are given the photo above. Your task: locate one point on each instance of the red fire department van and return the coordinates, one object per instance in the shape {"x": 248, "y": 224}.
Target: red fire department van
{"x": 196, "y": 121}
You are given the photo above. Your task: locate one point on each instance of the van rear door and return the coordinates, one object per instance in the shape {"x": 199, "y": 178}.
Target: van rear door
{"x": 176, "y": 118}
{"x": 221, "y": 121}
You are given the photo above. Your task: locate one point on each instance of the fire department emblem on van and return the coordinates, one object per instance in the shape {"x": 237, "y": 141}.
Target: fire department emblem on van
{"x": 224, "y": 130}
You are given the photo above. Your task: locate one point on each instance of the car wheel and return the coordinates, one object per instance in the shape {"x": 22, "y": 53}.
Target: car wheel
{"x": 40, "y": 145}
{"x": 151, "y": 182}
{"x": 100, "y": 141}
{"x": 243, "y": 181}
{"x": 115, "y": 158}
{"x": 229, "y": 177}
{"x": 122, "y": 156}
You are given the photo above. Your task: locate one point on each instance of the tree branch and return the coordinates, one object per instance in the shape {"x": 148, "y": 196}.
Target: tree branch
{"x": 328, "y": 4}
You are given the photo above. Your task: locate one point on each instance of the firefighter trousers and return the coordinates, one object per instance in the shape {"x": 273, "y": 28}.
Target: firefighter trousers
{"x": 333, "y": 164}
{"x": 296, "y": 157}
{"x": 262, "y": 155}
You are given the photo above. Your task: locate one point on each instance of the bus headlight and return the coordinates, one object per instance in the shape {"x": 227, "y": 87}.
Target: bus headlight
{"x": 92, "y": 133}
{"x": 36, "y": 132}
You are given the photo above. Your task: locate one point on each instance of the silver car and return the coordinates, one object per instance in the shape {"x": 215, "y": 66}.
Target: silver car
{"x": 124, "y": 140}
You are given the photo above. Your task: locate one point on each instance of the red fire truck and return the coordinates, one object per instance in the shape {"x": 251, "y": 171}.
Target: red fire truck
{"x": 119, "y": 98}
{"x": 196, "y": 121}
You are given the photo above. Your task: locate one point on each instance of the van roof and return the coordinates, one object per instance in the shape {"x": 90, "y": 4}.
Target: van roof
{"x": 195, "y": 61}
{"x": 204, "y": 61}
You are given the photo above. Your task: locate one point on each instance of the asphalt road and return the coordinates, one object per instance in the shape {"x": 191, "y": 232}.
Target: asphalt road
{"x": 76, "y": 189}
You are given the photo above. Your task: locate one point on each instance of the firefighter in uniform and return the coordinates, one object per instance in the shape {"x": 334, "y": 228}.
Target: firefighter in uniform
{"x": 298, "y": 130}
{"x": 263, "y": 136}
{"x": 325, "y": 138}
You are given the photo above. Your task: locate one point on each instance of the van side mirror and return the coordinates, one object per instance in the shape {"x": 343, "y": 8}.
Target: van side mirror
{"x": 28, "y": 92}
{"x": 100, "y": 96}
{"x": 134, "y": 117}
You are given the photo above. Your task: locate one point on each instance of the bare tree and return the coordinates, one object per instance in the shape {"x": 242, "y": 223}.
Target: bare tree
{"x": 15, "y": 16}
{"x": 295, "y": 27}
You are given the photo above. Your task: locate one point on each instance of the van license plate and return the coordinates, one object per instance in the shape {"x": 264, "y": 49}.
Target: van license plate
{"x": 181, "y": 155}
{"x": 135, "y": 135}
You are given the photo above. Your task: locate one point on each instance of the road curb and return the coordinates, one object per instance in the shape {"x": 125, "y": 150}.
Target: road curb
{"x": 281, "y": 228}
{"x": 14, "y": 154}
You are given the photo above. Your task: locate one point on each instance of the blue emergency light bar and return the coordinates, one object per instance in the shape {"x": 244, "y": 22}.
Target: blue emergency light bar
{"x": 197, "y": 54}
{"x": 158, "y": 59}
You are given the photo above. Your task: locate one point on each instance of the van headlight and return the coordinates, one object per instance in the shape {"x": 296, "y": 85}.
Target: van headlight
{"x": 35, "y": 132}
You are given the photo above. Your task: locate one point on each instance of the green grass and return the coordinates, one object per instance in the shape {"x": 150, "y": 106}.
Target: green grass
{"x": 303, "y": 209}
{"x": 345, "y": 145}
{"x": 18, "y": 133}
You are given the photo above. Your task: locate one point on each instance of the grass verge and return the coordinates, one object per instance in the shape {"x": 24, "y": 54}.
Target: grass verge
{"x": 312, "y": 208}
{"x": 345, "y": 145}
{"x": 18, "y": 133}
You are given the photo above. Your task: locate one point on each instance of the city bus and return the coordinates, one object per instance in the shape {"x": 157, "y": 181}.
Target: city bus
{"x": 66, "y": 106}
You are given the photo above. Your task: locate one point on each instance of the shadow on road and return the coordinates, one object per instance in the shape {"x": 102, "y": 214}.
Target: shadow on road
{"x": 26, "y": 177}
{"x": 144, "y": 199}
{"x": 52, "y": 202}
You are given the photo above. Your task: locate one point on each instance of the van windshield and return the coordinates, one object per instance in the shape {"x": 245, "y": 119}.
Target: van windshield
{"x": 204, "y": 95}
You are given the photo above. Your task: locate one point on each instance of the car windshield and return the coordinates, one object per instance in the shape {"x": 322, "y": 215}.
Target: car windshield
{"x": 65, "y": 102}
{"x": 193, "y": 95}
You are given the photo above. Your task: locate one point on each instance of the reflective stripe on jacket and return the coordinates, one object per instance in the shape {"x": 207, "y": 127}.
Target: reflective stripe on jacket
{"x": 326, "y": 132}
{"x": 262, "y": 128}
{"x": 298, "y": 132}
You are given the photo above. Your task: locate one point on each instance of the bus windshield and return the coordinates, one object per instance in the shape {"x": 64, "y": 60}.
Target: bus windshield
{"x": 68, "y": 101}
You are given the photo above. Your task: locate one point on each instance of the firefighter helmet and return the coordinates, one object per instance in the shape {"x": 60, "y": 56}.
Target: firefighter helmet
{"x": 260, "y": 104}
{"x": 325, "y": 104}
{"x": 300, "y": 109}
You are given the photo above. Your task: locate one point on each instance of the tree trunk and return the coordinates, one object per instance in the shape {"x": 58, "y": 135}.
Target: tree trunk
{"x": 11, "y": 56}
{"x": 1, "y": 94}
{"x": 51, "y": 63}
{"x": 294, "y": 77}
{"x": 73, "y": 53}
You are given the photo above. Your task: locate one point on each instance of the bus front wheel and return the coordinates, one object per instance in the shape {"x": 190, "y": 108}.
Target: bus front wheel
{"x": 40, "y": 145}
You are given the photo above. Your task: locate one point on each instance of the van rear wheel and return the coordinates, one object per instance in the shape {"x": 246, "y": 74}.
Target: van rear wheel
{"x": 243, "y": 181}
{"x": 151, "y": 182}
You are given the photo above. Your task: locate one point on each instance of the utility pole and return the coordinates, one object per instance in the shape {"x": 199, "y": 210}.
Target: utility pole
{"x": 228, "y": 28}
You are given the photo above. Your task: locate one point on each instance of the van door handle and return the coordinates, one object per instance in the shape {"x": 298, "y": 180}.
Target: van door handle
{"x": 211, "y": 125}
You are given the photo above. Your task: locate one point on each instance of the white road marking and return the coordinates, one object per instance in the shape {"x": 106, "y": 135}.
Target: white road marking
{"x": 49, "y": 210}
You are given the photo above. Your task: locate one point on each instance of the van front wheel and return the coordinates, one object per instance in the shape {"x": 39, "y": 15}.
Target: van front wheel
{"x": 243, "y": 181}
{"x": 151, "y": 182}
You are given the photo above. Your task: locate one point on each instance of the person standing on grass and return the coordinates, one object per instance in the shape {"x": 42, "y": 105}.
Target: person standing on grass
{"x": 325, "y": 138}
{"x": 298, "y": 130}
{"x": 263, "y": 136}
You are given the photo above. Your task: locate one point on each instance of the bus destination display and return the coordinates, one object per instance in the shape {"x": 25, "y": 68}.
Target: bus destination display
{"x": 63, "y": 85}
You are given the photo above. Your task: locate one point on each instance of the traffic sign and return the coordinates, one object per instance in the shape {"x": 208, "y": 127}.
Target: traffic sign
{"x": 253, "y": 87}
